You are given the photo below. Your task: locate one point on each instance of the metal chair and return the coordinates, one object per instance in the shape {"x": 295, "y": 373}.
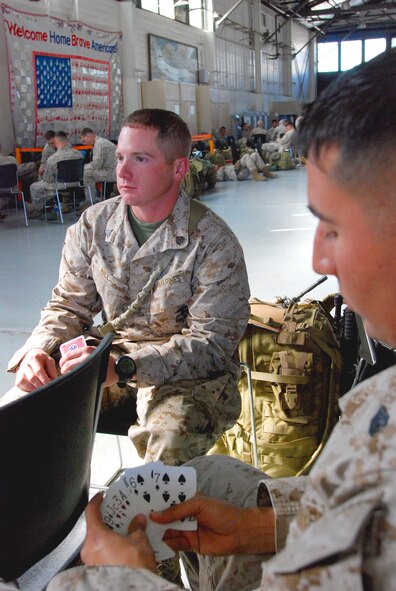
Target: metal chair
{"x": 47, "y": 439}
{"x": 9, "y": 186}
{"x": 106, "y": 187}
{"x": 69, "y": 177}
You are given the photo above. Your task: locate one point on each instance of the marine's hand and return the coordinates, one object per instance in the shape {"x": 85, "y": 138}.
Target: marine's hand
{"x": 102, "y": 546}
{"x": 223, "y": 528}
{"x": 36, "y": 369}
{"x": 71, "y": 359}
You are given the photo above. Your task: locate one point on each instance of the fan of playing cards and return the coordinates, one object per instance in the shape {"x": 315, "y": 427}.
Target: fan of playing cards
{"x": 151, "y": 487}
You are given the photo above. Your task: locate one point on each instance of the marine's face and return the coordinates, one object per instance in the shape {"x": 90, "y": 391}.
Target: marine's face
{"x": 88, "y": 140}
{"x": 352, "y": 244}
{"x": 145, "y": 179}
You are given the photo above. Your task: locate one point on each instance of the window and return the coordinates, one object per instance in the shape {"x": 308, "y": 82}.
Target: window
{"x": 351, "y": 54}
{"x": 328, "y": 57}
{"x": 189, "y": 12}
{"x": 151, "y": 5}
{"x": 373, "y": 47}
{"x": 393, "y": 42}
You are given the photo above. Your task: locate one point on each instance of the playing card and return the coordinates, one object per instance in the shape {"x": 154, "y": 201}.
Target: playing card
{"x": 174, "y": 485}
{"x": 126, "y": 497}
{"x": 147, "y": 488}
{"x": 73, "y": 344}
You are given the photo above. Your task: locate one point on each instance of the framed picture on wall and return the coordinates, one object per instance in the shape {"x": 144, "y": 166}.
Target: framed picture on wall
{"x": 171, "y": 60}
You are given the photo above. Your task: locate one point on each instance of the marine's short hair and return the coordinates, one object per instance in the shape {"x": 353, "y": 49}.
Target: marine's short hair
{"x": 50, "y": 134}
{"x": 173, "y": 135}
{"x": 357, "y": 114}
{"x": 85, "y": 131}
{"x": 61, "y": 135}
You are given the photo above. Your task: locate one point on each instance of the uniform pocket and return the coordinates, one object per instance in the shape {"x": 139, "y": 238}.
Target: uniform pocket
{"x": 109, "y": 287}
{"x": 169, "y": 304}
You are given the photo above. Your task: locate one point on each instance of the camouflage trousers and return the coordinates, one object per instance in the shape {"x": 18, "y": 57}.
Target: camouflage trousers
{"x": 236, "y": 482}
{"x": 252, "y": 162}
{"x": 176, "y": 422}
{"x": 94, "y": 175}
{"x": 42, "y": 191}
{"x": 182, "y": 420}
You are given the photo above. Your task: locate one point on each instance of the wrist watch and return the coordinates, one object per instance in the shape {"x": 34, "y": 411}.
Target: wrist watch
{"x": 125, "y": 368}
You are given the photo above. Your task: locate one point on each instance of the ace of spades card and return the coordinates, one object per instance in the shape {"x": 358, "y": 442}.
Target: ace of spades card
{"x": 152, "y": 487}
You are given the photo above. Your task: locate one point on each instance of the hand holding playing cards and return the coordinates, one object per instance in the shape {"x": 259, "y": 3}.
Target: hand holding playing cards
{"x": 223, "y": 528}
{"x": 71, "y": 359}
{"x": 75, "y": 351}
{"x": 36, "y": 369}
{"x": 105, "y": 547}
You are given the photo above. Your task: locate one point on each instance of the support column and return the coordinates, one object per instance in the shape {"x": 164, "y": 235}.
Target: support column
{"x": 256, "y": 24}
{"x": 131, "y": 84}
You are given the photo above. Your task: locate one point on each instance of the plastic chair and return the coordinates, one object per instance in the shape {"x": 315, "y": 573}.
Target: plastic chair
{"x": 9, "y": 186}
{"x": 46, "y": 438}
{"x": 69, "y": 177}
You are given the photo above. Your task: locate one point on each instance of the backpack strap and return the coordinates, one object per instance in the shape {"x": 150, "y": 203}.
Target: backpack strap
{"x": 197, "y": 210}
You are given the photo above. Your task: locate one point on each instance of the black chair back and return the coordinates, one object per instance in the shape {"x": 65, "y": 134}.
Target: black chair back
{"x": 70, "y": 171}
{"x": 8, "y": 176}
{"x": 46, "y": 441}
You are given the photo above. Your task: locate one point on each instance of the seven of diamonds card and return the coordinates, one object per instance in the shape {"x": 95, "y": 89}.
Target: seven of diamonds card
{"x": 147, "y": 488}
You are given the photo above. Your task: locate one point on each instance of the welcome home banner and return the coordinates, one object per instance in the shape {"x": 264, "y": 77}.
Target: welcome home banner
{"x": 63, "y": 76}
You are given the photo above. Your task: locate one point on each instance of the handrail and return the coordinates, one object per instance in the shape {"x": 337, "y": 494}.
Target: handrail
{"x": 19, "y": 151}
{"x": 195, "y": 138}
{"x": 202, "y": 137}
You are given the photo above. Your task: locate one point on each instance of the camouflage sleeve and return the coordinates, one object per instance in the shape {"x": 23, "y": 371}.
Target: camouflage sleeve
{"x": 46, "y": 153}
{"x": 49, "y": 175}
{"x": 74, "y": 301}
{"x": 98, "y": 156}
{"x": 109, "y": 578}
{"x": 334, "y": 551}
{"x": 284, "y": 495}
{"x": 216, "y": 319}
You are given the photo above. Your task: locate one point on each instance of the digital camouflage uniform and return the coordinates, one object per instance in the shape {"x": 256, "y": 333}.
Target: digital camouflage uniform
{"x": 48, "y": 150}
{"x": 342, "y": 518}
{"x": 42, "y": 190}
{"x": 289, "y": 140}
{"x": 185, "y": 335}
{"x": 103, "y": 164}
{"x": 250, "y": 163}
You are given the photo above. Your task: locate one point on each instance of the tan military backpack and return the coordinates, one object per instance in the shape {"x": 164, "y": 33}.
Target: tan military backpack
{"x": 293, "y": 363}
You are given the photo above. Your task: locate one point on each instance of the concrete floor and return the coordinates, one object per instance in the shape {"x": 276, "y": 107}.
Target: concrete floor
{"x": 270, "y": 219}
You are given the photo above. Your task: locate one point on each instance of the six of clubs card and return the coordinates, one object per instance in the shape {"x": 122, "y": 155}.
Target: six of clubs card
{"x": 147, "y": 488}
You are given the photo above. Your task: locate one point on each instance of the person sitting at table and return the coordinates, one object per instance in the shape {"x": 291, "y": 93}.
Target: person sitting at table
{"x": 48, "y": 150}
{"x": 44, "y": 189}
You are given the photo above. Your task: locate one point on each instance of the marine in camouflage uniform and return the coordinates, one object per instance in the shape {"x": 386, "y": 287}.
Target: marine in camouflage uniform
{"x": 42, "y": 190}
{"x": 335, "y": 529}
{"x": 103, "y": 163}
{"x": 185, "y": 335}
{"x": 48, "y": 150}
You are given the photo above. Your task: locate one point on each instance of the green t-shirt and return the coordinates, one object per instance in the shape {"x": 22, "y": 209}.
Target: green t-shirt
{"x": 142, "y": 230}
